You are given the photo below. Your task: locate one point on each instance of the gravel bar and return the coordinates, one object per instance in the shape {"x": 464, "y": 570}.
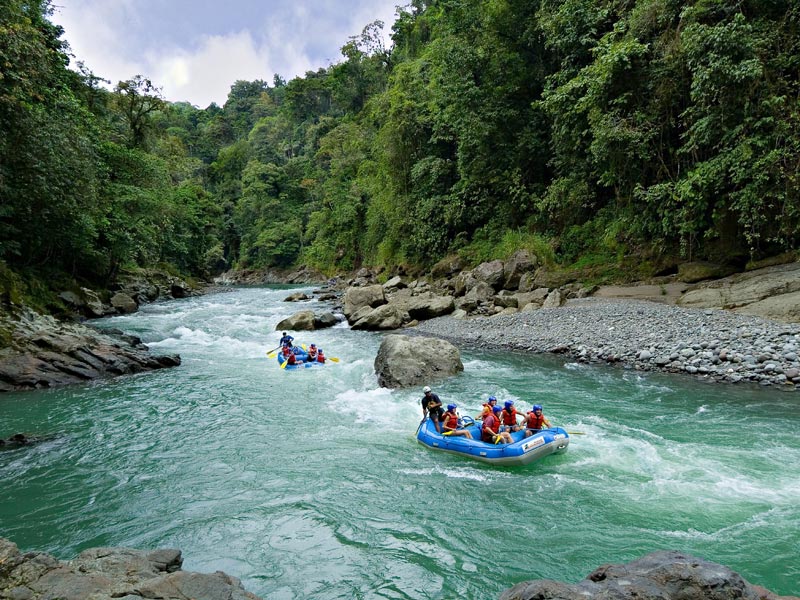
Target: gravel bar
{"x": 716, "y": 345}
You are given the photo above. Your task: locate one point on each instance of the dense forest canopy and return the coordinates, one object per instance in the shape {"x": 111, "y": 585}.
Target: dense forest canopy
{"x": 585, "y": 130}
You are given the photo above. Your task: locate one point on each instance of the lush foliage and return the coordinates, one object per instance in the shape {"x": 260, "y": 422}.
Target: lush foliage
{"x": 584, "y": 130}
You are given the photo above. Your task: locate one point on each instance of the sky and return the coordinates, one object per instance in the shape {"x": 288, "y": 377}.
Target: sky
{"x": 194, "y": 50}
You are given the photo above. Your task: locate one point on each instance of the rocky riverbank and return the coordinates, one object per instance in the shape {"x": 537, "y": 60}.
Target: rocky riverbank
{"x": 712, "y": 344}
{"x": 42, "y": 352}
{"x": 128, "y": 574}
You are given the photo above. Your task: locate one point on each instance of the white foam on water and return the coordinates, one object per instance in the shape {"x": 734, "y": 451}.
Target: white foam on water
{"x": 367, "y": 406}
{"x": 437, "y": 470}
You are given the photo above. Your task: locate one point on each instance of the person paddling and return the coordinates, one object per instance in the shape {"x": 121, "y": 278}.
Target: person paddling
{"x": 536, "y": 421}
{"x": 312, "y": 353}
{"x": 508, "y": 417}
{"x": 491, "y": 428}
{"x": 286, "y": 340}
{"x": 432, "y": 407}
{"x": 288, "y": 355}
{"x": 487, "y": 407}
{"x": 450, "y": 423}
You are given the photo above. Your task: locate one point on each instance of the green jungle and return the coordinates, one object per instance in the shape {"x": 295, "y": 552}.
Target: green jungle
{"x": 612, "y": 138}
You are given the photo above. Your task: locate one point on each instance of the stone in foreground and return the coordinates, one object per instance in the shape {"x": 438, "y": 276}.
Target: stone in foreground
{"x": 105, "y": 573}
{"x": 663, "y": 575}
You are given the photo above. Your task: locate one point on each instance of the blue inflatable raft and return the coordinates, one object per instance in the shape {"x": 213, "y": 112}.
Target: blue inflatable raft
{"x": 522, "y": 452}
{"x": 300, "y": 364}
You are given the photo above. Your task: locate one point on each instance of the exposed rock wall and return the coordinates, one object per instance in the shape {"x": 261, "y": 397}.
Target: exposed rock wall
{"x": 42, "y": 352}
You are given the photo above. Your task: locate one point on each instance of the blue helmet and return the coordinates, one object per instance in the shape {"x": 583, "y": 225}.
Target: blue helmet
{"x": 536, "y": 407}
{"x": 496, "y": 409}
{"x": 492, "y": 399}
{"x": 451, "y": 407}
{"x": 509, "y": 403}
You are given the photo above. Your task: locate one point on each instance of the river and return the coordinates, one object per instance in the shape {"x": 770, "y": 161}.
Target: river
{"x": 309, "y": 483}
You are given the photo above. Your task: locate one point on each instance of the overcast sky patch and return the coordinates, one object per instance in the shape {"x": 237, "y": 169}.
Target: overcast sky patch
{"x": 194, "y": 51}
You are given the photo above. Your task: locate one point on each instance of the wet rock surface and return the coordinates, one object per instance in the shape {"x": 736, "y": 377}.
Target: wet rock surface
{"x": 105, "y": 573}
{"x": 42, "y": 352}
{"x": 663, "y": 575}
{"x": 404, "y": 361}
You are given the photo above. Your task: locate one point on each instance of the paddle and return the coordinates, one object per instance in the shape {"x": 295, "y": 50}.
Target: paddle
{"x": 420, "y": 425}
{"x": 569, "y": 432}
{"x": 332, "y": 359}
{"x": 284, "y": 363}
{"x": 272, "y": 353}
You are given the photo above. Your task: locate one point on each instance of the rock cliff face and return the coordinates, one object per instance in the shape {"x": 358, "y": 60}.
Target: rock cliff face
{"x": 42, "y": 352}
{"x": 772, "y": 292}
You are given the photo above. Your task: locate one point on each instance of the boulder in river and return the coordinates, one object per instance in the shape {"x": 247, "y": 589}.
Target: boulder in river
{"x": 404, "y": 360}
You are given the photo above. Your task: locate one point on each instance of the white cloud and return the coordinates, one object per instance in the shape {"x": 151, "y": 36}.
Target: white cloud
{"x": 196, "y": 58}
{"x": 94, "y": 33}
{"x": 206, "y": 74}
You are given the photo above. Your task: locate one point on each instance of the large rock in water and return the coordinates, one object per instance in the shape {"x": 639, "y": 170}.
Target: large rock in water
{"x": 44, "y": 352}
{"x": 101, "y": 573}
{"x": 404, "y": 360}
{"x": 664, "y": 575}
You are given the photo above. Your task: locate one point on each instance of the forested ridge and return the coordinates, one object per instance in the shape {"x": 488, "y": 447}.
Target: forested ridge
{"x": 619, "y": 136}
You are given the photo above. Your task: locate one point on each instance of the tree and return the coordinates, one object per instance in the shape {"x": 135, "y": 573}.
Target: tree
{"x": 138, "y": 99}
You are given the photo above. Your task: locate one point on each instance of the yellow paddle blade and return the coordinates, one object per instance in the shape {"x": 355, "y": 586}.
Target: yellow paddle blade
{"x": 303, "y": 346}
{"x": 272, "y": 354}
{"x": 576, "y": 433}
{"x": 448, "y": 433}
{"x": 284, "y": 363}
{"x": 333, "y": 358}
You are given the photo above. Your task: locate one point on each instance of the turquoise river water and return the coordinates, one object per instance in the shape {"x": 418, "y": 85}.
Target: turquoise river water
{"x": 310, "y": 484}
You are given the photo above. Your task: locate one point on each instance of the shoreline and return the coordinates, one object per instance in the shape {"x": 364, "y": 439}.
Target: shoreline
{"x": 712, "y": 344}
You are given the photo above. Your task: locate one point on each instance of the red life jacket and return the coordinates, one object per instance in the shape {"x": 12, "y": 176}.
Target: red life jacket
{"x": 535, "y": 421}
{"x": 450, "y": 420}
{"x": 312, "y": 355}
{"x": 510, "y": 418}
{"x": 493, "y": 424}
{"x": 321, "y": 357}
{"x": 289, "y": 355}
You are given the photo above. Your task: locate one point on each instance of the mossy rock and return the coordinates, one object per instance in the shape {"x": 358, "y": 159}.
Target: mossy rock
{"x": 692, "y": 272}
{"x": 447, "y": 267}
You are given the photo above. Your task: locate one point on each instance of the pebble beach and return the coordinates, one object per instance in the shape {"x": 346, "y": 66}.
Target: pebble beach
{"x": 715, "y": 345}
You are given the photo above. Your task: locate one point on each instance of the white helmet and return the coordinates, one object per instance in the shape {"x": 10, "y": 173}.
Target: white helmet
{"x": 426, "y": 389}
